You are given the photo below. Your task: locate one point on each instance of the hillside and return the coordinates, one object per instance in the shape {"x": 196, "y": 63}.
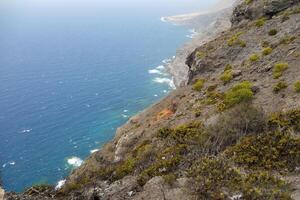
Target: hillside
{"x": 232, "y": 132}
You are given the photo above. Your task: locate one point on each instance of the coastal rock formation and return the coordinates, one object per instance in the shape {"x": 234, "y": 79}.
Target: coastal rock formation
{"x": 1, "y": 194}
{"x": 231, "y": 133}
{"x": 206, "y": 26}
{"x": 250, "y": 10}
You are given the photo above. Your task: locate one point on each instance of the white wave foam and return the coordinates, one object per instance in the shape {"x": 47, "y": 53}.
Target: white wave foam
{"x": 60, "y": 184}
{"x": 168, "y": 81}
{"x": 160, "y": 67}
{"x": 156, "y": 95}
{"x": 75, "y": 161}
{"x": 161, "y": 80}
{"x": 154, "y": 71}
{"x": 125, "y": 111}
{"x": 163, "y": 19}
{"x": 8, "y": 163}
{"x": 166, "y": 61}
{"x": 26, "y": 130}
{"x": 94, "y": 150}
{"x": 193, "y": 34}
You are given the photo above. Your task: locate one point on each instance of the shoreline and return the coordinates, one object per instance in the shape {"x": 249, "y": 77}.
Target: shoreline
{"x": 215, "y": 23}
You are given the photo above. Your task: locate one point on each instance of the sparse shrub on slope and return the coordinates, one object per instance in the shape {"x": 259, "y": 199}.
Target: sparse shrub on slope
{"x": 190, "y": 133}
{"x": 211, "y": 176}
{"x": 234, "y": 124}
{"x": 279, "y": 86}
{"x": 198, "y": 85}
{"x": 285, "y": 120}
{"x": 236, "y": 41}
{"x": 272, "y": 32}
{"x": 266, "y": 51}
{"x": 254, "y": 58}
{"x": 270, "y": 151}
{"x": 215, "y": 178}
{"x": 238, "y": 93}
{"x": 165, "y": 163}
{"x": 297, "y": 86}
{"x": 279, "y": 68}
{"x": 260, "y": 22}
{"x": 226, "y": 76}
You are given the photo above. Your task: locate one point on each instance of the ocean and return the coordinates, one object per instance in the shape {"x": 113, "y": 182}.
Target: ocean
{"x": 71, "y": 72}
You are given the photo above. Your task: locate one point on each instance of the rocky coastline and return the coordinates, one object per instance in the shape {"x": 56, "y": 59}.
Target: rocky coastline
{"x": 207, "y": 25}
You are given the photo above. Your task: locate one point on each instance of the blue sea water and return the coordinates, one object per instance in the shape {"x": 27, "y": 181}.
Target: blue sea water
{"x": 71, "y": 72}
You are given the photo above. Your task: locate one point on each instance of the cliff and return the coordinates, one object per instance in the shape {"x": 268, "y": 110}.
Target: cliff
{"x": 231, "y": 133}
{"x": 207, "y": 26}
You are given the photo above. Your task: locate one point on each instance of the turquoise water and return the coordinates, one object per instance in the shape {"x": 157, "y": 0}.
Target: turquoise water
{"x": 71, "y": 72}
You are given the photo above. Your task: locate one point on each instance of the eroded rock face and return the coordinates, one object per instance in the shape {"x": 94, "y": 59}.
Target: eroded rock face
{"x": 258, "y": 8}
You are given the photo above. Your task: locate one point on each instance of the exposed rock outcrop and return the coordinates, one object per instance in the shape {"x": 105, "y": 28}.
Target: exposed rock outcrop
{"x": 250, "y": 10}
{"x": 1, "y": 194}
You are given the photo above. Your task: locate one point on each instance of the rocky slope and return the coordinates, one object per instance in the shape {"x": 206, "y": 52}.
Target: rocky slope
{"x": 208, "y": 26}
{"x": 231, "y": 133}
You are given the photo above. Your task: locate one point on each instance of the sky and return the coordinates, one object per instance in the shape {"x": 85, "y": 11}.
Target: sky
{"x": 163, "y": 7}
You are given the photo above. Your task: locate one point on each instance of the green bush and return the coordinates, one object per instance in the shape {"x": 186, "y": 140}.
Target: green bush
{"x": 271, "y": 151}
{"x": 263, "y": 185}
{"x": 248, "y": 1}
{"x": 228, "y": 67}
{"x": 210, "y": 176}
{"x": 238, "y": 93}
{"x": 159, "y": 168}
{"x": 260, "y": 22}
{"x": 279, "y": 86}
{"x": 198, "y": 85}
{"x": 287, "y": 39}
{"x": 297, "y": 86}
{"x": 254, "y": 58}
{"x": 267, "y": 51}
{"x": 279, "y": 68}
{"x": 272, "y": 32}
{"x": 285, "y": 120}
{"x": 215, "y": 178}
{"x": 226, "y": 76}
{"x": 125, "y": 168}
{"x": 200, "y": 54}
{"x": 169, "y": 178}
{"x": 213, "y": 97}
{"x": 190, "y": 133}
{"x": 235, "y": 40}
{"x": 164, "y": 132}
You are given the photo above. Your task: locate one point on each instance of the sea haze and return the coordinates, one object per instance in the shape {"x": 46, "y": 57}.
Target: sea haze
{"x": 71, "y": 72}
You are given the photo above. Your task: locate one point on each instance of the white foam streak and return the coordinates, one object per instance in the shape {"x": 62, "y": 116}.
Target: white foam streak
{"x": 154, "y": 71}
{"x": 75, "y": 161}
{"x": 60, "y": 184}
{"x": 94, "y": 150}
{"x": 8, "y": 163}
{"x": 168, "y": 81}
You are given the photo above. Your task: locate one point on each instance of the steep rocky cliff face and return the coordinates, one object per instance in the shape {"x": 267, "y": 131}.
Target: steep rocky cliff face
{"x": 231, "y": 133}
{"x": 208, "y": 26}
